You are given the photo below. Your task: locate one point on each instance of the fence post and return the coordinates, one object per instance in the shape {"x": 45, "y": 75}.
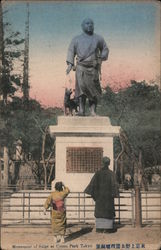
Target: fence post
{"x": 1, "y": 206}
{"x": 23, "y": 209}
{"x": 79, "y": 206}
{"x": 84, "y": 208}
{"x": 138, "y": 217}
{"x": 133, "y": 207}
{"x": 29, "y": 208}
{"x": 119, "y": 213}
{"x": 146, "y": 200}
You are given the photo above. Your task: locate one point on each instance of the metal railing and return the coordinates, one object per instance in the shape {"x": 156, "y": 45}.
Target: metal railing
{"x": 151, "y": 207}
{"x": 26, "y": 208}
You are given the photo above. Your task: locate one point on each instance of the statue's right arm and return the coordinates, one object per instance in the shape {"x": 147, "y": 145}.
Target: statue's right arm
{"x": 71, "y": 55}
{"x": 69, "y": 68}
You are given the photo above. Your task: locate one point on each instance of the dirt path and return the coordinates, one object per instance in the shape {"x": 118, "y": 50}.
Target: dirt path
{"x": 81, "y": 238}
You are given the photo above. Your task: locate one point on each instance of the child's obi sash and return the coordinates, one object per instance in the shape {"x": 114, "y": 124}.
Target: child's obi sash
{"x": 58, "y": 205}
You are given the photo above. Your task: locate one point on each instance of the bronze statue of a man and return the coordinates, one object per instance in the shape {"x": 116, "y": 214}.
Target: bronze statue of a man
{"x": 90, "y": 50}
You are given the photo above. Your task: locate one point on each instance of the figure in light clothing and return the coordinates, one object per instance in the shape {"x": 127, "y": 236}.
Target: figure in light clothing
{"x": 56, "y": 200}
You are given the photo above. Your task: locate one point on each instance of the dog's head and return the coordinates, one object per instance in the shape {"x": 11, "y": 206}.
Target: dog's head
{"x": 67, "y": 95}
{"x": 68, "y": 92}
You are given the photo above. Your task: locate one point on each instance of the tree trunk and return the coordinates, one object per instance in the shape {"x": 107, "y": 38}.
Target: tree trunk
{"x": 1, "y": 45}
{"x": 45, "y": 176}
{"x": 43, "y": 157}
{"x": 25, "y": 86}
{"x": 51, "y": 171}
{"x": 1, "y": 195}
{"x": 2, "y": 59}
{"x": 6, "y": 166}
{"x": 138, "y": 212}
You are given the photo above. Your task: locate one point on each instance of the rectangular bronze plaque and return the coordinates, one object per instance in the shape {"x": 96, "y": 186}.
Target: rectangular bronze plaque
{"x": 83, "y": 159}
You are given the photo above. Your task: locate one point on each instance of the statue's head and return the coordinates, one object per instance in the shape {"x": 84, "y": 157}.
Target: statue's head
{"x": 88, "y": 26}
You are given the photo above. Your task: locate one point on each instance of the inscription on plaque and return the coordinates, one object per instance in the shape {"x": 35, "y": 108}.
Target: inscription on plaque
{"x": 83, "y": 159}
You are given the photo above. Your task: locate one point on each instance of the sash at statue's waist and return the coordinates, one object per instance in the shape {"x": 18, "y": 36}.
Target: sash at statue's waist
{"x": 86, "y": 64}
{"x": 90, "y": 65}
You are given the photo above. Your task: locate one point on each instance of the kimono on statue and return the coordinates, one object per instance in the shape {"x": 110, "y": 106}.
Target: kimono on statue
{"x": 89, "y": 49}
{"x": 56, "y": 200}
{"x": 103, "y": 188}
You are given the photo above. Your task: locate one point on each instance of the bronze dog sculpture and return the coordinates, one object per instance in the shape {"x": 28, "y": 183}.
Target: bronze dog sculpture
{"x": 70, "y": 104}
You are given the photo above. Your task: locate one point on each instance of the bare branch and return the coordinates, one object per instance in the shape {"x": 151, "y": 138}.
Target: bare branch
{"x": 43, "y": 156}
{"x": 38, "y": 125}
{"x": 51, "y": 170}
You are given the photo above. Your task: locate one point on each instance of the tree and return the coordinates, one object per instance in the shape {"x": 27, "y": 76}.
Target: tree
{"x": 30, "y": 125}
{"x": 137, "y": 110}
{"x": 25, "y": 85}
{"x": 48, "y": 144}
{"x": 10, "y": 80}
{"x": 11, "y": 57}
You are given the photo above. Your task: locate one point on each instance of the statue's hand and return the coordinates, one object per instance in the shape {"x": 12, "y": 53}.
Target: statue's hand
{"x": 99, "y": 60}
{"x": 69, "y": 69}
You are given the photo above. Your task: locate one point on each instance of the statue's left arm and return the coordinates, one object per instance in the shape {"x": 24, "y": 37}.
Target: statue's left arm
{"x": 104, "y": 51}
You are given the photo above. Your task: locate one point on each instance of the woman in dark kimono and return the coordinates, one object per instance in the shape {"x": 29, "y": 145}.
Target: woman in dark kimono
{"x": 103, "y": 188}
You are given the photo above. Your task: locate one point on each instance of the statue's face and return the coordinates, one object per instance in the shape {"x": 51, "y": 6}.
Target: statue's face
{"x": 88, "y": 26}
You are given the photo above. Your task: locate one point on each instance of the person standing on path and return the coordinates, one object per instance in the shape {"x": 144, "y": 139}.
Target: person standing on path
{"x": 103, "y": 189}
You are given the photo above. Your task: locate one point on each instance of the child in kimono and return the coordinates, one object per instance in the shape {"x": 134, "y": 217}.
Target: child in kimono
{"x": 56, "y": 200}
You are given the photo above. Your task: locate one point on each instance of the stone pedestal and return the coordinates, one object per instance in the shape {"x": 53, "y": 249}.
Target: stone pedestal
{"x": 81, "y": 132}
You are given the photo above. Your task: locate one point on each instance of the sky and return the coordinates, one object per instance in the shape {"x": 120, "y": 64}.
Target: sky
{"x": 131, "y": 30}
